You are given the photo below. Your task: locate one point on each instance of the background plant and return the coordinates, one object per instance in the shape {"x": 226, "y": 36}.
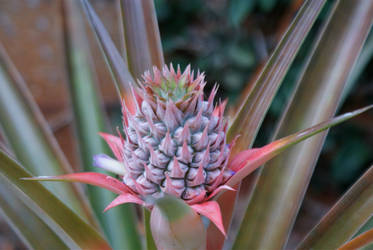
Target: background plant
{"x": 348, "y": 51}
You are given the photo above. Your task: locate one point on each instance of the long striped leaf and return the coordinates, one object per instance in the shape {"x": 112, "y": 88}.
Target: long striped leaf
{"x": 251, "y": 114}
{"x": 30, "y": 138}
{"x": 119, "y": 224}
{"x": 367, "y": 226}
{"x": 362, "y": 241}
{"x": 258, "y": 100}
{"x": 141, "y": 36}
{"x": 361, "y": 63}
{"x": 117, "y": 66}
{"x": 248, "y": 161}
{"x": 64, "y": 222}
{"x": 283, "y": 181}
{"x": 33, "y": 231}
{"x": 345, "y": 218}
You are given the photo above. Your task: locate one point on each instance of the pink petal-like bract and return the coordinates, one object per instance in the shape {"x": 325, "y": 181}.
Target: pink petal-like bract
{"x": 115, "y": 144}
{"x": 211, "y": 210}
{"x": 124, "y": 198}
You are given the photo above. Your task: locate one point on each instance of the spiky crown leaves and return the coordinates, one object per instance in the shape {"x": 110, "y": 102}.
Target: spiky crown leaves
{"x": 171, "y": 85}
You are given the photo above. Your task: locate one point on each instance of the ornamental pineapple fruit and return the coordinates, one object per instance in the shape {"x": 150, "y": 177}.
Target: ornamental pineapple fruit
{"x": 175, "y": 140}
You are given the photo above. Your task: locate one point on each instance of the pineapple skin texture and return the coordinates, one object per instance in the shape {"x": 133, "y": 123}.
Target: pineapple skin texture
{"x": 175, "y": 140}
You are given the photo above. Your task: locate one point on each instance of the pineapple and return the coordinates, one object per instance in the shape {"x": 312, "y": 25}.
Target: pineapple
{"x": 175, "y": 144}
{"x": 175, "y": 140}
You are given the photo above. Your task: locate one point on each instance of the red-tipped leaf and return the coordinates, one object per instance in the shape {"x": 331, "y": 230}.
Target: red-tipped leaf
{"x": 91, "y": 178}
{"x": 124, "y": 198}
{"x": 247, "y": 161}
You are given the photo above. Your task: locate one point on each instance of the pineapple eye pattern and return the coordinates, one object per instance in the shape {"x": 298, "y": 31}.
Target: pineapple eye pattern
{"x": 175, "y": 140}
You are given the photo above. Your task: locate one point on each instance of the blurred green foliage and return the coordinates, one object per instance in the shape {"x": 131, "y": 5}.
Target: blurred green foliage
{"x": 219, "y": 37}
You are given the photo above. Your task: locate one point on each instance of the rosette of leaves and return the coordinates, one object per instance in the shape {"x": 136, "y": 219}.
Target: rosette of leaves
{"x": 178, "y": 156}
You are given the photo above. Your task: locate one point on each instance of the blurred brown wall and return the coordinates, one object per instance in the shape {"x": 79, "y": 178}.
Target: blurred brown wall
{"x": 31, "y": 32}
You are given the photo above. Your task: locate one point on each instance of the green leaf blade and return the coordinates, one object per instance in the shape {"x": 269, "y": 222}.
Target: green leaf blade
{"x": 119, "y": 224}
{"x": 252, "y": 111}
{"x": 141, "y": 36}
{"x": 33, "y": 231}
{"x": 150, "y": 244}
{"x": 345, "y": 218}
{"x": 74, "y": 231}
{"x": 117, "y": 66}
{"x": 30, "y": 138}
{"x": 363, "y": 241}
{"x": 259, "y": 156}
{"x": 284, "y": 179}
